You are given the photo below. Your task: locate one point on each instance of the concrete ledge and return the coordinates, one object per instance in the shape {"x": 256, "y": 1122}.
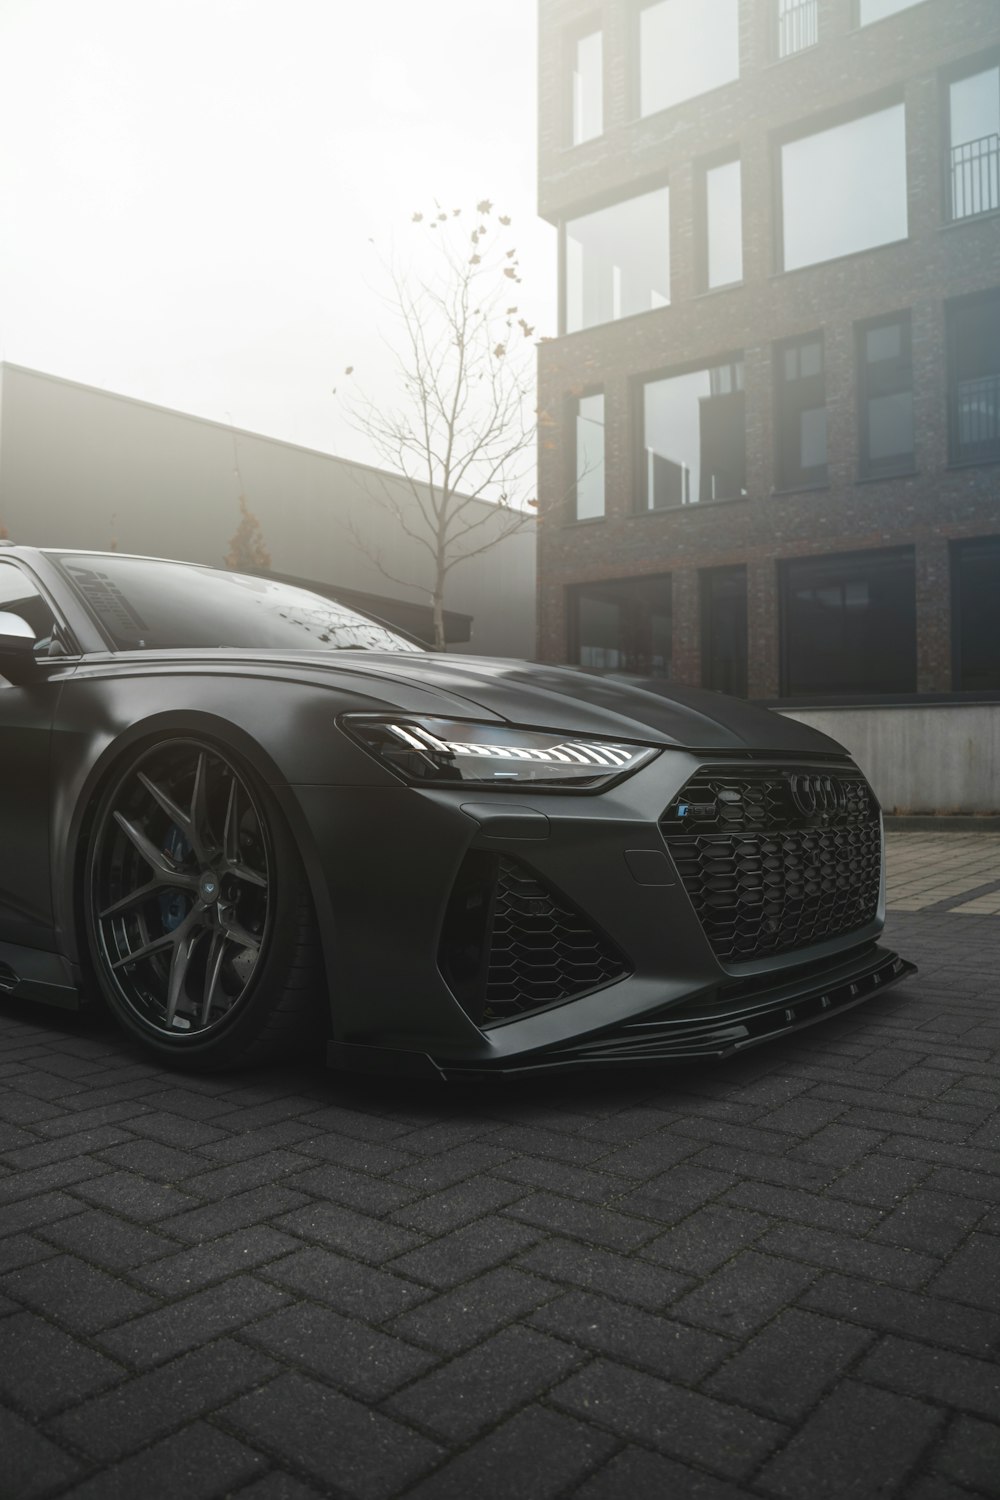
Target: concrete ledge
{"x": 925, "y": 760}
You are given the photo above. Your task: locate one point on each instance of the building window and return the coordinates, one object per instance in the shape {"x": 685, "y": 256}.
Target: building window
{"x": 617, "y": 260}
{"x": 724, "y": 630}
{"x": 588, "y": 464}
{"x": 797, "y": 26}
{"x": 624, "y": 625}
{"x": 694, "y": 437}
{"x": 974, "y": 379}
{"x": 685, "y": 49}
{"x": 885, "y": 395}
{"x": 974, "y": 141}
{"x": 975, "y": 594}
{"x": 800, "y": 417}
{"x": 586, "y": 76}
{"x": 843, "y": 190}
{"x": 849, "y": 624}
{"x": 722, "y": 222}
{"x": 877, "y": 10}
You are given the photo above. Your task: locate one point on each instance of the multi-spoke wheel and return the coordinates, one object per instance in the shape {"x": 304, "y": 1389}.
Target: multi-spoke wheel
{"x": 197, "y": 913}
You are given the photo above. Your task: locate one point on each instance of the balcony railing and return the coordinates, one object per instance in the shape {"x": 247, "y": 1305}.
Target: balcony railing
{"x": 798, "y": 26}
{"x": 979, "y": 417}
{"x": 975, "y": 177}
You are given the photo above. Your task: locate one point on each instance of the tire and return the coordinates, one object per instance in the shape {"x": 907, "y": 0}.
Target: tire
{"x": 198, "y": 917}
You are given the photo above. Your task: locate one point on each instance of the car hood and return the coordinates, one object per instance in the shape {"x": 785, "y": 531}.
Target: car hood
{"x": 569, "y": 700}
{"x": 581, "y": 702}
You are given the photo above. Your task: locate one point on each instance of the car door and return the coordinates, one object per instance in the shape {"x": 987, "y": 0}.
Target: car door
{"x": 26, "y": 715}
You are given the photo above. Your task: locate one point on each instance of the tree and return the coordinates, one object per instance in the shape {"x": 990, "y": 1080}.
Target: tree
{"x": 461, "y": 431}
{"x": 246, "y": 547}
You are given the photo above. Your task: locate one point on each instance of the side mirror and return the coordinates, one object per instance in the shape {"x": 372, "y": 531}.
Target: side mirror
{"x": 17, "y": 648}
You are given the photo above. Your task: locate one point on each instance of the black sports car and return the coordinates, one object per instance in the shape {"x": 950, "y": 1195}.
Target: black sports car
{"x": 249, "y": 815}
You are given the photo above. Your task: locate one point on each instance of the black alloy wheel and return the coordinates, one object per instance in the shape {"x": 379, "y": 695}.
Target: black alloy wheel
{"x": 198, "y": 917}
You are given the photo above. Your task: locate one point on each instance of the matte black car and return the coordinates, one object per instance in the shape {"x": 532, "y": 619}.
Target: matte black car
{"x": 249, "y": 816}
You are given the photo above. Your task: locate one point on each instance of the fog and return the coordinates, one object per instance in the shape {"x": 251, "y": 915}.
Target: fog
{"x": 190, "y": 189}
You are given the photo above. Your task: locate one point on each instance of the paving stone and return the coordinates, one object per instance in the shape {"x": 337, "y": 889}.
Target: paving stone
{"x": 970, "y": 1455}
{"x": 159, "y": 1335}
{"x": 32, "y": 1213}
{"x": 74, "y": 1293}
{"x": 972, "y": 1274}
{"x": 156, "y": 1160}
{"x": 584, "y": 1183}
{"x": 112, "y": 1425}
{"x": 893, "y": 1311}
{"x": 677, "y": 1193}
{"x": 347, "y": 1285}
{"x": 240, "y": 1176}
{"x": 199, "y": 1463}
{"x": 648, "y": 1158}
{"x": 744, "y": 1293}
{"x": 242, "y": 1209}
{"x": 706, "y": 1239}
{"x": 353, "y": 1233}
{"x": 462, "y": 1317}
{"x": 374, "y": 1157}
{"x": 33, "y": 1153}
{"x": 22, "y": 1250}
{"x": 277, "y": 1486}
{"x": 658, "y": 1344}
{"x": 340, "y": 1351}
{"x": 536, "y": 1455}
{"x": 317, "y": 1430}
{"x": 475, "y": 1390}
{"x": 787, "y": 1367}
{"x": 598, "y": 1226}
{"x": 43, "y": 1369}
{"x": 466, "y": 1252}
{"x": 880, "y": 1181}
{"x": 59, "y": 1174}
{"x": 954, "y": 1380}
{"x": 32, "y": 1466}
{"x": 840, "y": 1252}
{"x": 594, "y": 1269}
{"x": 888, "y": 1435}
{"x": 130, "y": 1194}
{"x": 189, "y": 1270}
{"x": 690, "y": 1427}
{"x": 369, "y": 1195}
{"x": 429, "y": 1174}
{"x": 116, "y": 1245}
{"x": 935, "y": 1223}
{"x": 636, "y": 1472}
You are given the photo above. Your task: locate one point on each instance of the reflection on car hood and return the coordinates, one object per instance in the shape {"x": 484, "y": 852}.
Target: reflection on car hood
{"x": 566, "y": 699}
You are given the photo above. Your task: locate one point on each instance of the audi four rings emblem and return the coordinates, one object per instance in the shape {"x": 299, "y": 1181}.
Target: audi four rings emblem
{"x": 817, "y": 794}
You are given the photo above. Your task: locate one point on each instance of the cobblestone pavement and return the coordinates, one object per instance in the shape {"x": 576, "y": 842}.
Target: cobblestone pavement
{"x": 777, "y": 1277}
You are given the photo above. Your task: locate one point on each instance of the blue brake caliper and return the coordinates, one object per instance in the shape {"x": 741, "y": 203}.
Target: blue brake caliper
{"x": 174, "y": 904}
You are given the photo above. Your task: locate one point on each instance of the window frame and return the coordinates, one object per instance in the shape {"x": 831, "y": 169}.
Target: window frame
{"x": 953, "y": 308}
{"x": 703, "y": 239}
{"x": 785, "y": 570}
{"x": 706, "y": 578}
{"x": 969, "y": 67}
{"x": 774, "y": 31}
{"x": 803, "y": 130}
{"x": 590, "y": 25}
{"x": 860, "y": 25}
{"x": 635, "y": 64}
{"x": 867, "y": 468}
{"x": 574, "y": 592}
{"x": 639, "y": 383}
{"x": 572, "y": 417}
{"x": 644, "y": 189}
{"x": 784, "y": 482}
{"x": 957, "y": 551}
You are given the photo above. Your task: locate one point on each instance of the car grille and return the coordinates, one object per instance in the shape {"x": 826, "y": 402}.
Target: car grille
{"x": 776, "y": 859}
{"x": 512, "y": 945}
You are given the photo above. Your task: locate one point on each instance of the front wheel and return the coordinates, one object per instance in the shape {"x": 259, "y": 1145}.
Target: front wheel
{"x": 198, "y": 917}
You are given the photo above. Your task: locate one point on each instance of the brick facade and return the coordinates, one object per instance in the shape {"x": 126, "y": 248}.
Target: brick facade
{"x": 908, "y": 55}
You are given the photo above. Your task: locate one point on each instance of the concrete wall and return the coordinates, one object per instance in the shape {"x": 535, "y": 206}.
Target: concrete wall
{"x": 80, "y": 467}
{"x": 925, "y": 758}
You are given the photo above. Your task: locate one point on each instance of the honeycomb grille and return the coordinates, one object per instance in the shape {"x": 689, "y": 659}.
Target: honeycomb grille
{"x": 775, "y": 860}
{"x": 541, "y": 949}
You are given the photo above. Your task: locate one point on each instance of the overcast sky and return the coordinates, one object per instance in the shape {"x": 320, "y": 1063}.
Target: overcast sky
{"x": 188, "y": 188}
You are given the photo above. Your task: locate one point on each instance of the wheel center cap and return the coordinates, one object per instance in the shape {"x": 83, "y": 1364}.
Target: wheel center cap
{"x": 208, "y": 887}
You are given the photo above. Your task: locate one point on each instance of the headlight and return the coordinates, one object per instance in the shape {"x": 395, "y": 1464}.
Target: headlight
{"x": 445, "y": 751}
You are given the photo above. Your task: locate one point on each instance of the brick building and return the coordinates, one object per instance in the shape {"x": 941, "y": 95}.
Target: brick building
{"x": 770, "y": 458}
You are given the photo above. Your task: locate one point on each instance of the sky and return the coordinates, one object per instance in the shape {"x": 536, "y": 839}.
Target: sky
{"x": 193, "y": 193}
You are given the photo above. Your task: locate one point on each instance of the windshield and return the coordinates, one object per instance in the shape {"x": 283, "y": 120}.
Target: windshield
{"x": 146, "y": 605}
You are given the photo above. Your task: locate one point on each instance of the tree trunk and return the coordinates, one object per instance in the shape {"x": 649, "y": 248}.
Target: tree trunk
{"x": 438, "y": 600}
